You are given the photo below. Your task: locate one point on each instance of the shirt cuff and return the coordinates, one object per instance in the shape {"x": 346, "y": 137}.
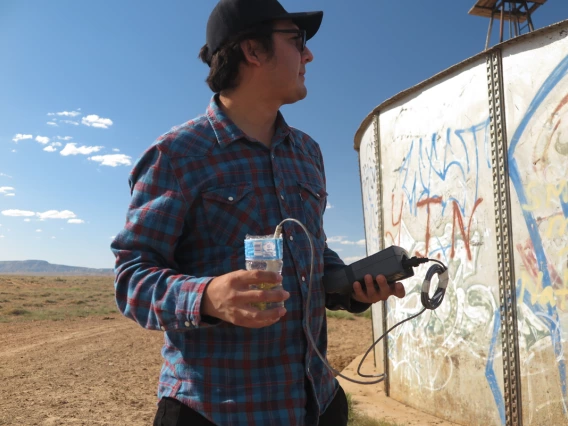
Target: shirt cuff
{"x": 188, "y": 309}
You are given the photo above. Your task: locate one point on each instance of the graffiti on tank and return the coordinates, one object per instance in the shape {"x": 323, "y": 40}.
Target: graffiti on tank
{"x": 538, "y": 160}
{"x": 440, "y": 189}
{"x": 438, "y": 186}
{"x": 436, "y": 176}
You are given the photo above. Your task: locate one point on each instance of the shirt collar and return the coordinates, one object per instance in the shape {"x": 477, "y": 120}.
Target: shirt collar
{"x": 228, "y": 132}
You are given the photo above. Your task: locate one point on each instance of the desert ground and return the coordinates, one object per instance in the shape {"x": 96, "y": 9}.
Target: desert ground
{"x": 69, "y": 358}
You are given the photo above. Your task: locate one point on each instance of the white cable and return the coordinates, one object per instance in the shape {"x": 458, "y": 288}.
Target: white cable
{"x": 443, "y": 277}
{"x": 277, "y": 234}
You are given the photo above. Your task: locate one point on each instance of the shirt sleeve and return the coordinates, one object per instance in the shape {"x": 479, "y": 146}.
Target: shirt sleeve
{"x": 332, "y": 261}
{"x": 148, "y": 287}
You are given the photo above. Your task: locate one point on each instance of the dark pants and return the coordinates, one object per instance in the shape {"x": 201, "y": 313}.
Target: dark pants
{"x": 171, "y": 412}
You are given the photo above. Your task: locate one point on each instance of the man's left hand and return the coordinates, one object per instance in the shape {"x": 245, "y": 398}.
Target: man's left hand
{"x": 373, "y": 295}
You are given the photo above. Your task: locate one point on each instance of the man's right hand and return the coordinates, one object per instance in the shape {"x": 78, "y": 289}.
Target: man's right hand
{"x": 228, "y": 298}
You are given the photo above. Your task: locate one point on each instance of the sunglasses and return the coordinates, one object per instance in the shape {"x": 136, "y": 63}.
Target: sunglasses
{"x": 300, "y": 39}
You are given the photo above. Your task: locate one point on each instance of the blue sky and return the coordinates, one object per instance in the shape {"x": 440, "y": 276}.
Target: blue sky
{"x": 86, "y": 87}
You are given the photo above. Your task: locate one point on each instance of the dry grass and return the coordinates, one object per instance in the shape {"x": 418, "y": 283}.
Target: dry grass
{"x": 356, "y": 418}
{"x": 32, "y": 298}
{"x": 347, "y": 315}
{"x": 340, "y": 315}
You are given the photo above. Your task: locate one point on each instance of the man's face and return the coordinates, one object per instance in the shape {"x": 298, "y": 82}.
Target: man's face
{"x": 285, "y": 71}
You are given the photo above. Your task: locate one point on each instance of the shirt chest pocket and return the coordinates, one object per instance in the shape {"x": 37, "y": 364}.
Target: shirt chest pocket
{"x": 231, "y": 212}
{"x": 314, "y": 199}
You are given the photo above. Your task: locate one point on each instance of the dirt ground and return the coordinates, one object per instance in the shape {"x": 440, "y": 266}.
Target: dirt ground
{"x": 104, "y": 370}
{"x": 372, "y": 400}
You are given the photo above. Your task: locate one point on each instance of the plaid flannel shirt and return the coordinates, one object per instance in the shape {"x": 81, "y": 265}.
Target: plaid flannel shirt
{"x": 196, "y": 193}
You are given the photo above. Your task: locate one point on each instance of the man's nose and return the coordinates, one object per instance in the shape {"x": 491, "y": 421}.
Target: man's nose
{"x": 307, "y": 55}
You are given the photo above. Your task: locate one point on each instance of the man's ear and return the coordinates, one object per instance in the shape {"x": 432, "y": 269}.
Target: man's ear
{"x": 251, "y": 51}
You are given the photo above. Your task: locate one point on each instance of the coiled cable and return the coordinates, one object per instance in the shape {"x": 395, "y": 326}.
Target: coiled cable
{"x": 428, "y": 303}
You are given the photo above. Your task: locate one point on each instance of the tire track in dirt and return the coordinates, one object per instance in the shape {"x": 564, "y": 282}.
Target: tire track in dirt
{"x": 81, "y": 372}
{"x": 97, "y": 371}
{"x": 8, "y": 349}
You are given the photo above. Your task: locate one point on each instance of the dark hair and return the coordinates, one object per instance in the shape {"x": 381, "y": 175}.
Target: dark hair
{"x": 224, "y": 65}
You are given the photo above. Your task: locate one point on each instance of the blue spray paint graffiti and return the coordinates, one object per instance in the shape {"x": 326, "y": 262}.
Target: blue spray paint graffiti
{"x": 452, "y": 162}
{"x": 447, "y": 166}
{"x": 428, "y": 156}
{"x": 555, "y": 332}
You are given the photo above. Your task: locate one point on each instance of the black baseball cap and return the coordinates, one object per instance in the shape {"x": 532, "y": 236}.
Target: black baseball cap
{"x": 230, "y": 17}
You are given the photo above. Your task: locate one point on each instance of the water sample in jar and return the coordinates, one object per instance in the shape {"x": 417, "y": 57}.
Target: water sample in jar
{"x": 264, "y": 254}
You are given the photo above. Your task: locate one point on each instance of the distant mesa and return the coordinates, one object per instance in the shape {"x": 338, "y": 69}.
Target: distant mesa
{"x": 41, "y": 267}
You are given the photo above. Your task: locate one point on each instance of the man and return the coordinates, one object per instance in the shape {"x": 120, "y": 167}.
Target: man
{"x": 196, "y": 193}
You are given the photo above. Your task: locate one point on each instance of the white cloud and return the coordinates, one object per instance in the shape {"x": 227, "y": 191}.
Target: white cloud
{"x": 54, "y": 214}
{"x": 65, "y": 113}
{"x": 64, "y": 138}
{"x": 96, "y": 121}
{"x": 51, "y": 147}
{"x": 13, "y": 150}
{"x": 329, "y": 206}
{"x": 52, "y": 123}
{"x": 334, "y": 239}
{"x": 2, "y": 236}
{"x": 342, "y": 240}
{"x": 20, "y": 137}
{"x": 6, "y": 189}
{"x": 16, "y": 213}
{"x": 68, "y": 113}
{"x": 39, "y": 230}
{"x": 71, "y": 149}
{"x": 352, "y": 259}
{"x": 10, "y": 195}
{"x": 49, "y": 214}
{"x": 112, "y": 160}
{"x": 5, "y": 175}
{"x": 112, "y": 238}
{"x": 52, "y": 237}
{"x": 74, "y": 123}
{"x": 115, "y": 150}
{"x": 75, "y": 221}
{"x": 42, "y": 139}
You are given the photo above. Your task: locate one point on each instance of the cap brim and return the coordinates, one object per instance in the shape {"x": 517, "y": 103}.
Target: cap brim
{"x": 309, "y": 21}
